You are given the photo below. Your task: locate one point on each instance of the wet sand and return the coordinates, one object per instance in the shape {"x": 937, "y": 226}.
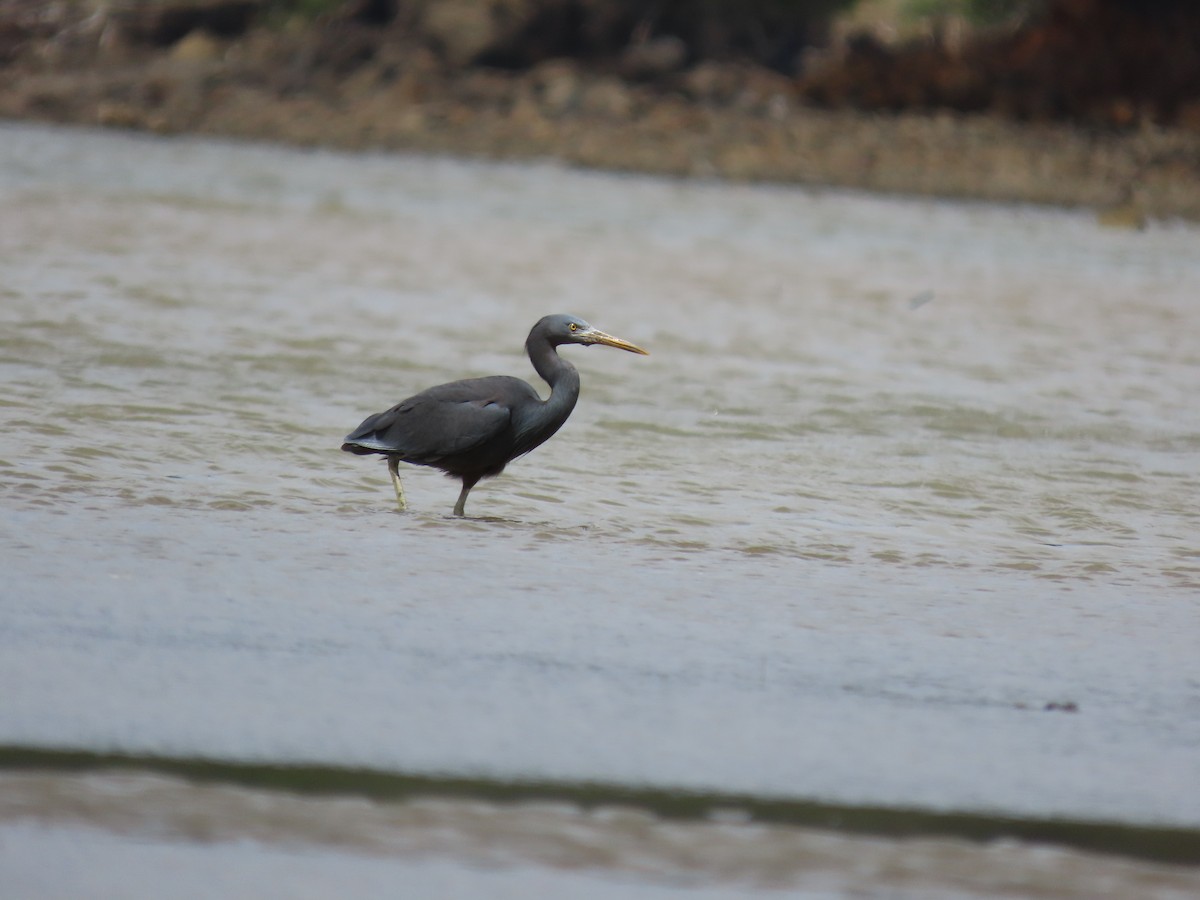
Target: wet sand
{"x": 126, "y": 835}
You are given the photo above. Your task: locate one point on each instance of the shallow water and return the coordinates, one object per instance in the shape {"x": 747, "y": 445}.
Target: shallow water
{"x": 903, "y": 509}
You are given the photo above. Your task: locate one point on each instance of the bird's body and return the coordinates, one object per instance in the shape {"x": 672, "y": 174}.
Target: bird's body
{"x": 472, "y": 429}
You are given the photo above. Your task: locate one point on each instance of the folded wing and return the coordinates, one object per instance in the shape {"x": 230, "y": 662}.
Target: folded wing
{"x": 445, "y": 421}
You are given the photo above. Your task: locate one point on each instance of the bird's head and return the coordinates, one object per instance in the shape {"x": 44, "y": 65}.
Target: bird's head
{"x": 563, "y": 329}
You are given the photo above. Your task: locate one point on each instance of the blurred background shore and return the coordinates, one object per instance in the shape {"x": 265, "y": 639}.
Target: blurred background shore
{"x": 1075, "y": 102}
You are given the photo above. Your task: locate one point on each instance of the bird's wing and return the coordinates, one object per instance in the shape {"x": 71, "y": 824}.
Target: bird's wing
{"x": 445, "y": 420}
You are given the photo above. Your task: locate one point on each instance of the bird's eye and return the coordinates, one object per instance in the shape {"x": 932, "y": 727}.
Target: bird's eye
{"x": 574, "y": 327}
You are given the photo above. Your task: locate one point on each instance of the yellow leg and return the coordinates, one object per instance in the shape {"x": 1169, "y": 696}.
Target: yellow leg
{"x": 461, "y": 506}
{"x": 394, "y": 471}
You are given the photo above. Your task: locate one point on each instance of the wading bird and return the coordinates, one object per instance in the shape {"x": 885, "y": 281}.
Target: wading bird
{"x": 472, "y": 429}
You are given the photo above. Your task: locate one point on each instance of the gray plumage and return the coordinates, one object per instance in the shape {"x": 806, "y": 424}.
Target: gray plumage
{"x": 472, "y": 429}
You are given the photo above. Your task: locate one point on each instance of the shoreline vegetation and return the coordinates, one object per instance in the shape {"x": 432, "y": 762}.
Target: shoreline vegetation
{"x": 456, "y": 77}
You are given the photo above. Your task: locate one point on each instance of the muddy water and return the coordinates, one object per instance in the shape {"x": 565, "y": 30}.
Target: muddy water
{"x": 903, "y": 509}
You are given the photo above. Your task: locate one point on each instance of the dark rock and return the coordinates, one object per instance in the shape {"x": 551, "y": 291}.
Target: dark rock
{"x": 653, "y": 58}
{"x": 465, "y": 31}
{"x": 162, "y": 24}
{"x": 1110, "y": 63}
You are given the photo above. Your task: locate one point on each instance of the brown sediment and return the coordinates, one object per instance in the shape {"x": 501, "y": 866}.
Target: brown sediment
{"x": 350, "y": 84}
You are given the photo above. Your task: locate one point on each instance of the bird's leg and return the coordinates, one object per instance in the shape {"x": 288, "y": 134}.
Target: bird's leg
{"x": 394, "y": 471}
{"x": 460, "y": 506}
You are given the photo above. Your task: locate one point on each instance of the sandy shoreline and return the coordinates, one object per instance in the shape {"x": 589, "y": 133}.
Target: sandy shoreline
{"x": 719, "y": 121}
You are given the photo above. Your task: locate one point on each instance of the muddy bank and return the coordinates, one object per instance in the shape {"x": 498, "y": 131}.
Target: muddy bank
{"x": 352, "y": 84}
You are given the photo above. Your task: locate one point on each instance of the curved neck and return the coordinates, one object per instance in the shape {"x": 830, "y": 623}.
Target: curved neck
{"x": 562, "y": 378}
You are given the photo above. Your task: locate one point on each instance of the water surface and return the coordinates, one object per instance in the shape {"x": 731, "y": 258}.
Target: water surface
{"x": 903, "y": 509}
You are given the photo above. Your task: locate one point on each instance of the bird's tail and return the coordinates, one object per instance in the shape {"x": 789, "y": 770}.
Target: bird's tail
{"x": 360, "y": 450}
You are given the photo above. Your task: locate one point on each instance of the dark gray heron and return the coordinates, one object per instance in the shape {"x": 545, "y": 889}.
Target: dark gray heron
{"x": 472, "y": 429}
